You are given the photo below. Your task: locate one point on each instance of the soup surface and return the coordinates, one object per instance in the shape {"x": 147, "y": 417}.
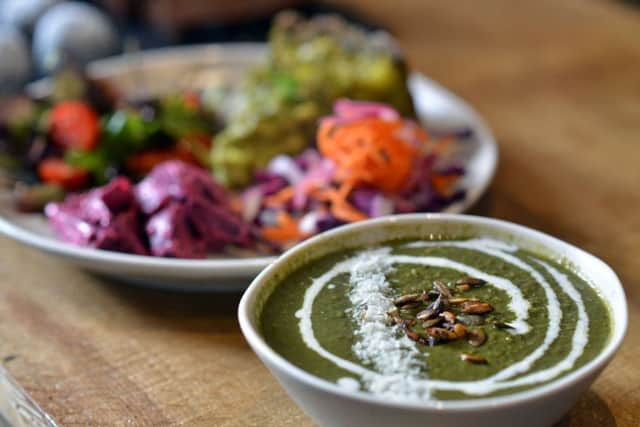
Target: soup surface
{"x": 436, "y": 320}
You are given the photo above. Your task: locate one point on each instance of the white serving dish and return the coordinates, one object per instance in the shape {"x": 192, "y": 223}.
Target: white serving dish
{"x": 330, "y": 405}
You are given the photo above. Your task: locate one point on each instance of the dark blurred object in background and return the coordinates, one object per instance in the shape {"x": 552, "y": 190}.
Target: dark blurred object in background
{"x": 38, "y": 37}
{"x": 15, "y": 60}
{"x": 166, "y": 22}
{"x": 73, "y": 32}
{"x": 23, "y": 14}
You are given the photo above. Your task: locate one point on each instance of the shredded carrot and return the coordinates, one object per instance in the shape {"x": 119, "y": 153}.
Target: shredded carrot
{"x": 286, "y": 231}
{"x": 370, "y": 151}
{"x": 280, "y": 198}
{"x": 345, "y": 211}
{"x": 444, "y": 183}
{"x": 339, "y": 205}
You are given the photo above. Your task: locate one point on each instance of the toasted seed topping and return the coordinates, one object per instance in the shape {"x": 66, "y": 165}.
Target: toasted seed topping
{"x": 473, "y": 358}
{"x": 473, "y": 307}
{"x": 441, "y": 334}
{"x": 448, "y": 316}
{"x": 502, "y": 325}
{"x": 471, "y": 281}
{"x": 431, "y": 322}
{"x": 476, "y": 337}
{"x": 409, "y": 306}
{"x": 440, "y": 304}
{"x": 459, "y": 330}
{"x": 395, "y": 316}
{"x": 463, "y": 288}
{"x": 413, "y": 335}
{"x": 406, "y": 299}
{"x": 442, "y": 288}
{"x": 426, "y": 314}
{"x": 458, "y": 301}
{"x": 470, "y": 319}
{"x": 433, "y": 295}
{"x": 445, "y": 318}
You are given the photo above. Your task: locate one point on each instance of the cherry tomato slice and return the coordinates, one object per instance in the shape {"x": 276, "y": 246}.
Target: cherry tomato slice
{"x": 74, "y": 125}
{"x": 54, "y": 170}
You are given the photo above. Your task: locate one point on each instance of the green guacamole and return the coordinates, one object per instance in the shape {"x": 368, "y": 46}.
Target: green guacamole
{"x": 545, "y": 320}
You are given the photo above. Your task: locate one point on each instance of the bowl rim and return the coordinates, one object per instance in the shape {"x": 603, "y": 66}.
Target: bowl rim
{"x": 269, "y": 356}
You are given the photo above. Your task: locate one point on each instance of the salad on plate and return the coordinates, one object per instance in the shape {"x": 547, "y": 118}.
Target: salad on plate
{"x": 322, "y": 133}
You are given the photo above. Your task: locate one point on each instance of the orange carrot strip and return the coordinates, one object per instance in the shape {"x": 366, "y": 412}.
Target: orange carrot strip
{"x": 345, "y": 211}
{"x": 443, "y": 183}
{"x": 280, "y": 198}
{"x": 371, "y": 151}
{"x": 286, "y": 231}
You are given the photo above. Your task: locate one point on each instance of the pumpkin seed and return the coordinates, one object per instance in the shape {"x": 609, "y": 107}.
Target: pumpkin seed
{"x": 431, "y": 322}
{"x": 441, "y": 334}
{"x": 470, "y": 319}
{"x": 463, "y": 288}
{"x": 458, "y": 301}
{"x": 476, "y": 337}
{"x": 471, "y": 281}
{"x": 442, "y": 289}
{"x": 426, "y": 314}
{"x": 473, "y": 307}
{"x": 405, "y": 299}
{"x": 473, "y": 358}
{"x": 460, "y": 330}
{"x": 448, "y": 316}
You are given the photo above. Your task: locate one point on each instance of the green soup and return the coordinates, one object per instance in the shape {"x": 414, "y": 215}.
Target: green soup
{"x": 450, "y": 319}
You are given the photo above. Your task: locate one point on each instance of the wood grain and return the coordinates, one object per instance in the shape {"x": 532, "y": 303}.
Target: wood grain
{"x": 559, "y": 82}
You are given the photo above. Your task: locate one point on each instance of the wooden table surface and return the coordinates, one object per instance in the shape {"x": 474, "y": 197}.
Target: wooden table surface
{"x": 559, "y": 82}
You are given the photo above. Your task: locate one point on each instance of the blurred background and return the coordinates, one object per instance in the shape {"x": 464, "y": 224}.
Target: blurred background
{"x": 38, "y": 36}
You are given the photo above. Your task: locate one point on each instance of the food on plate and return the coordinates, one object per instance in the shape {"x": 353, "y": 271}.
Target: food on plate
{"x": 322, "y": 134}
{"x": 176, "y": 211}
{"x": 369, "y": 162}
{"x": 435, "y": 319}
{"x": 105, "y": 218}
{"x": 85, "y": 134}
{"x": 311, "y": 63}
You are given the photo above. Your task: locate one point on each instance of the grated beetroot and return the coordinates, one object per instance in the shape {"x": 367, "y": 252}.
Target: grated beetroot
{"x": 176, "y": 211}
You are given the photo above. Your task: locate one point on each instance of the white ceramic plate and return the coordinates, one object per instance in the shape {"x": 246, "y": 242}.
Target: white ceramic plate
{"x": 160, "y": 71}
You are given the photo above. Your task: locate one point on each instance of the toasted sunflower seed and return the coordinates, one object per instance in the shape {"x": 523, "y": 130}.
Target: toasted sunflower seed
{"x": 458, "y": 301}
{"x": 471, "y": 281}
{"x": 463, "y": 288}
{"x": 433, "y": 295}
{"x": 442, "y": 288}
{"x": 431, "y": 322}
{"x": 409, "y": 306}
{"x": 473, "y": 358}
{"x": 395, "y": 316}
{"x": 473, "y": 307}
{"x": 405, "y": 299}
{"x": 442, "y": 334}
{"x": 470, "y": 319}
{"x": 476, "y": 337}
{"x": 426, "y": 314}
{"x": 440, "y": 304}
{"x": 448, "y": 316}
{"x": 413, "y": 335}
{"x": 460, "y": 330}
